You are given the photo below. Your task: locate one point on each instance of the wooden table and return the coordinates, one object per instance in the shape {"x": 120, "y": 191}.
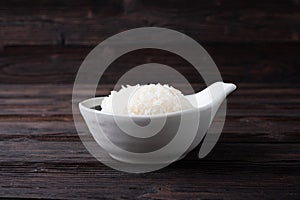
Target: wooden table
{"x": 255, "y": 45}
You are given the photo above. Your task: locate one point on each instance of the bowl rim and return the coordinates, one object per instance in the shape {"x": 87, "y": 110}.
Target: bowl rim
{"x": 83, "y": 106}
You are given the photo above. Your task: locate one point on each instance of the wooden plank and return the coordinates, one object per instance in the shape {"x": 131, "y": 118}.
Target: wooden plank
{"x": 47, "y": 102}
{"x": 32, "y": 112}
{"x": 30, "y": 150}
{"x": 63, "y": 107}
{"x": 197, "y": 181}
{"x": 35, "y": 91}
{"x": 236, "y": 130}
{"x": 237, "y": 63}
{"x": 53, "y": 169}
{"x": 48, "y": 22}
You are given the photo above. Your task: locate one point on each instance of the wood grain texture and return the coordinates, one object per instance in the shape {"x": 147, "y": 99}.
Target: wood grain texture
{"x": 73, "y": 180}
{"x": 54, "y": 23}
{"x": 41, "y": 155}
{"x": 255, "y": 44}
{"x": 239, "y": 63}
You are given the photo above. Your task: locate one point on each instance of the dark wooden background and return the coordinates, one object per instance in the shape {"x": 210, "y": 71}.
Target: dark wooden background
{"x": 255, "y": 45}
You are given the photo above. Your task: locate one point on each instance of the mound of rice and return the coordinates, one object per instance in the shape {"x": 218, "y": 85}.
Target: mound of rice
{"x": 149, "y": 99}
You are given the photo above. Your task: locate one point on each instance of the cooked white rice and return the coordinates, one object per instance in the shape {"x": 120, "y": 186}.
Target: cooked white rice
{"x": 149, "y": 99}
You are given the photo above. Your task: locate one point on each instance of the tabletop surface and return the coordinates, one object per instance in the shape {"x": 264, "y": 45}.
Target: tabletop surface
{"x": 255, "y": 45}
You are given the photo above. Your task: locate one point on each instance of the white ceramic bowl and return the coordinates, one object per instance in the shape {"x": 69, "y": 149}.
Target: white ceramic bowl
{"x": 138, "y": 142}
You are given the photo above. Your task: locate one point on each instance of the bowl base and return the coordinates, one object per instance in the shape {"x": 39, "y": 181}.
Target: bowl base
{"x": 129, "y": 161}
